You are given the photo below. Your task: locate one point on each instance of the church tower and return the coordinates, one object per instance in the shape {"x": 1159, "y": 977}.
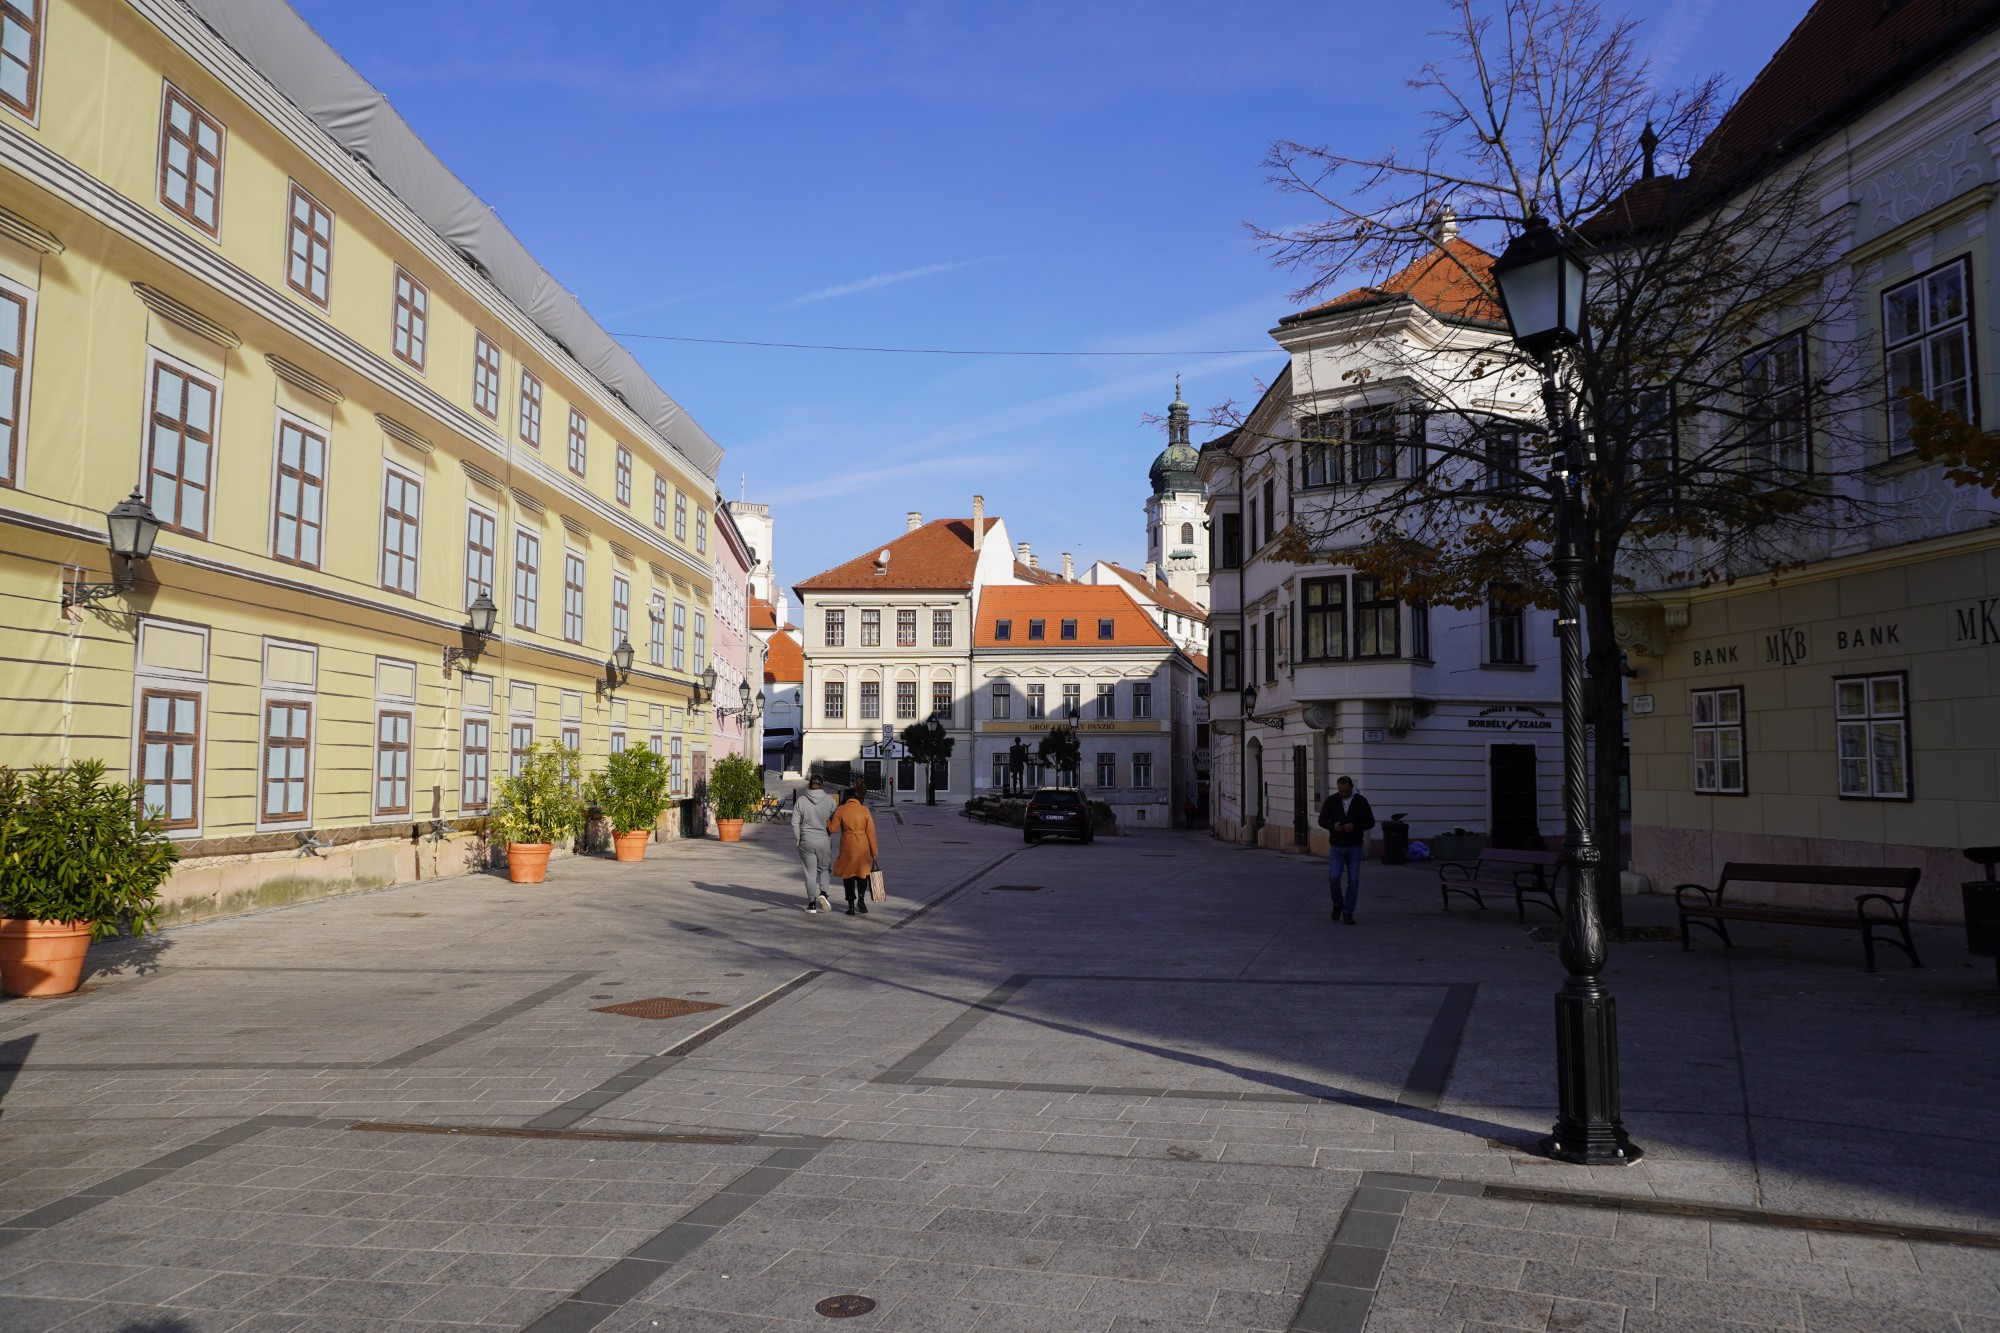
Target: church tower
{"x": 1176, "y": 535}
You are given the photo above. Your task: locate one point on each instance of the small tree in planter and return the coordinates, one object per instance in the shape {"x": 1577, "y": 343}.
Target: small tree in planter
{"x": 631, "y": 791}
{"x": 736, "y": 787}
{"x": 1062, "y": 750}
{"x": 535, "y": 809}
{"x": 78, "y": 861}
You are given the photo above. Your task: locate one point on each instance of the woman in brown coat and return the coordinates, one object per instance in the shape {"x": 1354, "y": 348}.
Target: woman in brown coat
{"x": 858, "y": 851}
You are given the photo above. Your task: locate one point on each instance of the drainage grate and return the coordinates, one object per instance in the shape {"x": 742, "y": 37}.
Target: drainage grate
{"x": 844, "y": 1307}
{"x": 662, "y": 1006}
{"x": 1014, "y": 888}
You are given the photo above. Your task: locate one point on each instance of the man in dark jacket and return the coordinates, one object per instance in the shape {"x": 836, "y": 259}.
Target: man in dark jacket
{"x": 1346, "y": 818}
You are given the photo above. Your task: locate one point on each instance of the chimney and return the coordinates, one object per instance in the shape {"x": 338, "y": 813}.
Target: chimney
{"x": 1446, "y": 223}
{"x": 1034, "y": 562}
{"x": 1152, "y": 571}
{"x": 914, "y": 521}
{"x": 1069, "y": 569}
{"x": 978, "y": 521}
{"x": 1021, "y": 554}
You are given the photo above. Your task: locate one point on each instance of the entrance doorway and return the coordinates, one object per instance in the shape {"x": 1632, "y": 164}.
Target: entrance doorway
{"x": 1300, "y": 824}
{"x": 1516, "y": 805}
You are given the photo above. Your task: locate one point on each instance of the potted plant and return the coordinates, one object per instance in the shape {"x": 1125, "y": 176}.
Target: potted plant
{"x": 631, "y": 792}
{"x": 736, "y": 786}
{"x": 535, "y": 809}
{"x": 78, "y": 861}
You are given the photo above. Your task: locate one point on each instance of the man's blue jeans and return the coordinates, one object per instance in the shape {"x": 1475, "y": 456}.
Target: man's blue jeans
{"x": 1349, "y": 860}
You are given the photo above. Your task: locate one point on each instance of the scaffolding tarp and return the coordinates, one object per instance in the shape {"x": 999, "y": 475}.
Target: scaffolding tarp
{"x": 281, "y": 46}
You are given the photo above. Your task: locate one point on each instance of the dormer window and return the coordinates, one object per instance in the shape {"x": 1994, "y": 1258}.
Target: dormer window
{"x": 1038, "y": 629}
{"x": 1104, "y": 629}
{"x": 1003, "y": 629}
{"x": 1069, "y": 630}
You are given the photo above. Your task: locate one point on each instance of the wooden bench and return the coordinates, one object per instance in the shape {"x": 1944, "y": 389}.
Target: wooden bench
{"x": 1524, "y": 874}
{"x": 1872, "y": 911}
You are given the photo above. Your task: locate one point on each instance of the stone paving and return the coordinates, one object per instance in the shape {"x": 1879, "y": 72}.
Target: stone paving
{"x": 1140, "y": 1085}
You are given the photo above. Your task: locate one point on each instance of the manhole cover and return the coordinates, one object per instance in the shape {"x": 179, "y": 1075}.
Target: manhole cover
{"x": 662, "y": 1006}
{"x": 1015, "y": 888}
{"x": 844, "y": 1307}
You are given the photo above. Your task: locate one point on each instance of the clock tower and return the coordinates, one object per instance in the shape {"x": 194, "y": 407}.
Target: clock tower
{"x": 1176, "y": 521}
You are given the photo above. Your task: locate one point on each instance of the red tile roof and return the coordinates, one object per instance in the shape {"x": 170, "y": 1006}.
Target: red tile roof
{"x": 1439, "y": 282}
{"x": 1161, "y": 592}
{"x": 1200, "y": 661}
{"x": 1085, "y": 603}
{"x": 784, "y": 661}
{"x": 937, "y": 555}
{"x": 763, "y": 615}
{"x": 1843, "y": 55}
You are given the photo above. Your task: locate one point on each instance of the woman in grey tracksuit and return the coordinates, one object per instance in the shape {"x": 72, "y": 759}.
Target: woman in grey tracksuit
{"x": 810, "y": 814}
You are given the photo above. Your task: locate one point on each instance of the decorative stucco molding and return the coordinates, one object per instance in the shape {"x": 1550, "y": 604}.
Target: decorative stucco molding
{"x": 179, "y": 312}
{"x": 396, "y": 430}
{"x": 15, "y": 227}
{"x": 304, "y": 380}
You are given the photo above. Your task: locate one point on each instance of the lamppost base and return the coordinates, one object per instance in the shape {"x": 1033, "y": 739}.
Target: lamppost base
{"x": 1590, "y": 1130}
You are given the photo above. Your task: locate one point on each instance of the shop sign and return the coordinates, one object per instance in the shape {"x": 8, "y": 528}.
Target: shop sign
{"x": 1728, "y": 654}
{"x": 1510, "y": 717}
{"x": 1785, "y": 646}
{"x": 1978, "y": 623}
{"x": 1868, "y": 636}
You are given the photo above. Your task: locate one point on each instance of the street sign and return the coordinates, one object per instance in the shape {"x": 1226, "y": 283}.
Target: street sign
{"x": 888, "y": 732}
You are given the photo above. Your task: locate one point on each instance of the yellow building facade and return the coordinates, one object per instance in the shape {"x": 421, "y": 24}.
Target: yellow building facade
{"x": 347, "y": 433}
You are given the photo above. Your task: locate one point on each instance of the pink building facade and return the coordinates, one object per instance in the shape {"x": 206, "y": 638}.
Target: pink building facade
{"x": 731, "y": 646}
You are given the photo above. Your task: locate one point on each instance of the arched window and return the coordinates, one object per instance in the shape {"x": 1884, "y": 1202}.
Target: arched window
{"x": 1187, "y": 534}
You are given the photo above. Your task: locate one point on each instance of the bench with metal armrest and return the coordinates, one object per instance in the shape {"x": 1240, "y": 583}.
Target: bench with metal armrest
{"x": 1887, "y": 912}
{"x": 1526, "y": 875}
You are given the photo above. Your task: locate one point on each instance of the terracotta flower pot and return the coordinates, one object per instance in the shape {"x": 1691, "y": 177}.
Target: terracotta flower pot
{"x": 528, "y": 862}
{"x": 729, "y": 830}
{"x": 631, "y": 846}
{"x": 41, "y": 957}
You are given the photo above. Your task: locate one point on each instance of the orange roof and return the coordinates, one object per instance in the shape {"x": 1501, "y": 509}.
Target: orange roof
{"x": 1438, "y": 282}
{"x": 937, "y": 555}
{"x": 1160, "y": 591}
{"x": 762, "y": 614}
{"x": 783, "y": 661}
{"x": 1085, "y": 603}
{"x": 1200, "y": 661}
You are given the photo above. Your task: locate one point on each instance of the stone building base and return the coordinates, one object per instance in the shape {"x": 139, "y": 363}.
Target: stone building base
{"x": 1671, "y": 856}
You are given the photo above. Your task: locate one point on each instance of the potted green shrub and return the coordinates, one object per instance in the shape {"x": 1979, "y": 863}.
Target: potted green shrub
{"x": 736, "y": 787}
{"x": 631, "y": 793}
{"x": 78, "y": 861}
{"x": 535, "y": 809}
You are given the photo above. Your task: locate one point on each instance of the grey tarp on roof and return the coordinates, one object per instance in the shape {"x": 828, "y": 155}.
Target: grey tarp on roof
{"x": 312, "y": 76}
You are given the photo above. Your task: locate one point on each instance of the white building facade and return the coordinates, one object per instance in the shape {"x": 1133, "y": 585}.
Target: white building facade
{"x": 886, "y": 640}
{"x": 1449, "y": 717}
{"x": 1087, "y": 656}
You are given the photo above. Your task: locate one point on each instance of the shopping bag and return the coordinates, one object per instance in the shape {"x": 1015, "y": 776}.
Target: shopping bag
{"x": 878, "y": 889}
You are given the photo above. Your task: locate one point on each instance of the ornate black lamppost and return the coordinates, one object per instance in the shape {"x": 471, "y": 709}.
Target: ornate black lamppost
{"x": 1541, "y": 281}
{"x": 934, "y": 727}
{"x": 132, "y": 529}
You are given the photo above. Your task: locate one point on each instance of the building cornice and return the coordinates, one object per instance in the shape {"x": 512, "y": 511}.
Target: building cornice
{"x": 139, "y": 225}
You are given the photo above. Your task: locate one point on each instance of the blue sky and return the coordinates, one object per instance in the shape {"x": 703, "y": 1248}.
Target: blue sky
{"x": 1024, "y": 175}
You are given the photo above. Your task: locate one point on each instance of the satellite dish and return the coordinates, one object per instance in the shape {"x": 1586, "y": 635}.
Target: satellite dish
{"x": 883, "y": 557}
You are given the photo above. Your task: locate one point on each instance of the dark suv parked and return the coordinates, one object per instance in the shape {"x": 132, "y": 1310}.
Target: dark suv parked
{"x": 1059, "y": 811}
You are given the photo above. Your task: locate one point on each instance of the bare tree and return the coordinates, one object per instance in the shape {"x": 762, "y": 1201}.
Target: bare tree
{"x": 1722, "y": 387}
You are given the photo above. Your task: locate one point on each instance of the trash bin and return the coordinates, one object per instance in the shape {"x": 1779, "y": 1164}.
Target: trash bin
{"x": 1395, "y": 841}
{"x": 1982, "y": 907}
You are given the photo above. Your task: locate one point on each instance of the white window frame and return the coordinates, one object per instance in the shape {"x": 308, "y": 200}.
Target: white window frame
{"x": 1716, "y": 740}
{"x": 13, "y": 456}
{"x": 1869, "y": 724}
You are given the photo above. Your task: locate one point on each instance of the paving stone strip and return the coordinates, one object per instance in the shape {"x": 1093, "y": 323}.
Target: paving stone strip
{"x": 400, "y": 1060}
{"x": 92, "y": 1196}
{"x": 957, "y": 887}
{"x": 646, "y": 1263}
{"x": 638, "y": 1074}
{"x": 1422, "y": 1088}
{"x": 1523, "y": 1283}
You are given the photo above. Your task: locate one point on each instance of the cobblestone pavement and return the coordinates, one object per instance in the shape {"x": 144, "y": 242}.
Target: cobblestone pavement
{"x": 1145, "y": 1084}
